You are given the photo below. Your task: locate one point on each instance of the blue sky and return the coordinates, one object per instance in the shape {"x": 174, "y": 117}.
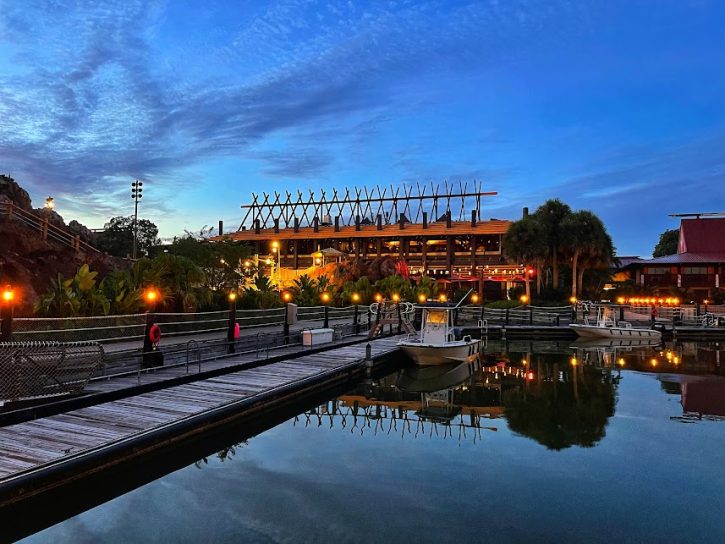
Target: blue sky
{"x": 617, "y": 107}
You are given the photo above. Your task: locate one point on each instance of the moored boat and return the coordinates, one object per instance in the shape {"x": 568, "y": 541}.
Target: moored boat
{"x": 607, "y": 326}
{"x": 436, "y": 343}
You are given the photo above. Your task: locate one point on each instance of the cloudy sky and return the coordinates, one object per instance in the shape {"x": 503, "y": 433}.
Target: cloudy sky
{"x": 617, "y": 107}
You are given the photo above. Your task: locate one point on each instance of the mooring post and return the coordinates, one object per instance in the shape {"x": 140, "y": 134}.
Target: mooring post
{"x": 368, "y": 352}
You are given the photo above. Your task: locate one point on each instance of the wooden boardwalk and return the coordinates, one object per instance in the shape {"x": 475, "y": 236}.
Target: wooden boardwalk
{"x": 92, "y": 437}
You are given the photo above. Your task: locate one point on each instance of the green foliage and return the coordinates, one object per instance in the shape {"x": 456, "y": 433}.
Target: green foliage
{"x": 362, "y": 287}
{"x": 222, "y": 262}
{"x": 667, "y": 244}
{"x": 117, "y": 237}
{"x": 426, "y": 286}
{"x": 306, "y": 291}
{"x": 78, "y": 295}
{"x": 395, "y": 285}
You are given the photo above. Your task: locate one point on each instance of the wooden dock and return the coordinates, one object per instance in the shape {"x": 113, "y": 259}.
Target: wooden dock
{"x": 44, "y": 454}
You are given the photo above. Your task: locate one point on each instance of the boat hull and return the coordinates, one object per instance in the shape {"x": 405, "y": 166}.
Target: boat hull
{"x": 431, "y": 354}
{"x": 629, "y": 333}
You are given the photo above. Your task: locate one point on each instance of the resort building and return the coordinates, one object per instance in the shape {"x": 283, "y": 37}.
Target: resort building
{"x": 440, "y": 233}
{"x": 699, "y": 264}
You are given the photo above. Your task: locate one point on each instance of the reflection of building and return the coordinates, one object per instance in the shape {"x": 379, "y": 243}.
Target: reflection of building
{"x": 440, "y": 233}
{"x": 698, "y": 265}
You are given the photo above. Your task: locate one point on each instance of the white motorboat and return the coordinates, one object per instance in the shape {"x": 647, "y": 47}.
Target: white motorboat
{"x": 436, "y": 343}
{"x": 607, "y": 326}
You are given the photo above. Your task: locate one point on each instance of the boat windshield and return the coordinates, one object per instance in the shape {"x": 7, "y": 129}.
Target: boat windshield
{"x": 437, "y": 317}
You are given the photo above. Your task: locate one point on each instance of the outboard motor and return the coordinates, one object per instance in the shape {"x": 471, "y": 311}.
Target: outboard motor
{"x": 659, "y": 327}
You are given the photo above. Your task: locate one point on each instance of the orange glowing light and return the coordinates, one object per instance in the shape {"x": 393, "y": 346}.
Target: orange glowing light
{"x": 474, "y": 298}
{"x": 620, "y": 362}
{"x": 422, "y": 298}
{"x": 355, "y": 297}
{"x": 232, "y": 297}
{"x": 325, "y": 297}
{"x": 151, "y": 295}
{"x": 573, "y": 361}
{"x": 8, "y": 294}
{"x": 396, "y": 297}
{"x": 653, "y": 362}
{"x": 620, "y": 300}
{"x": 378, "y": 297}
{"x": 442, "y": 297}
{"x": 286, "y": 296}
{"x": 572, "y": 300}
{"x": 524, "y": 299}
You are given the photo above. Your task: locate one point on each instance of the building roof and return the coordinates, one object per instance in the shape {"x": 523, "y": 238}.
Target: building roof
{"x": 702, "y": 241}
{"x": 436, "y": 229}
{"x": 702, "y": 236}
{"x": 626, "y": 260}
{"x": 686, "y": 258}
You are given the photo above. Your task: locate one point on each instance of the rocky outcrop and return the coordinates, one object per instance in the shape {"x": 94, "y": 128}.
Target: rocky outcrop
{"x": 14, "y": 193}
{"x": 28, "y": 262}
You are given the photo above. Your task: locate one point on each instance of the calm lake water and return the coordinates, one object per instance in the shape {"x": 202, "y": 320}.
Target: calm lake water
{"x": 527, "y": 446}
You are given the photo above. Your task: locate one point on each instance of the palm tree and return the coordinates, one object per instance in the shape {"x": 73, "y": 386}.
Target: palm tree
{"x": 525, "y": 242}
{"x": 550, "y": 215}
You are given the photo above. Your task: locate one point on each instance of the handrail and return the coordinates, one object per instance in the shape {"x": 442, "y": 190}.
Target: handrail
{"x": 48, "y": 230}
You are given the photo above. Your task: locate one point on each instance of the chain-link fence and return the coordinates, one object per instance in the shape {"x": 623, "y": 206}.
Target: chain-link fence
{"x": 30, "y": 370}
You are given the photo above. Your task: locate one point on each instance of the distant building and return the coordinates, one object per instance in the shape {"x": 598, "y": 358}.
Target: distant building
{"x": 699, "y": 264}
{"x": 440, "y": 233}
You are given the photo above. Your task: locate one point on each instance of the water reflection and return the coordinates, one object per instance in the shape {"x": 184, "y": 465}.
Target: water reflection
{"x": 559, "y": 394}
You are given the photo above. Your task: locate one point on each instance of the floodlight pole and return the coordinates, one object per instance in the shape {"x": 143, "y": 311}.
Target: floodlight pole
{"x": 136, "y": 195}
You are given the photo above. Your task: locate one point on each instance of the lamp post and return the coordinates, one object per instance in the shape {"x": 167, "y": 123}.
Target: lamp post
{"x": 151, "y": 297}
{"x": 356, "y": 314}
{"x": 49, "y": 204}
{"x": 136, "y": 195}
{"x": 286, "y": 297}
{"x": 325, "y": 297}
{"x": 6, "y": 313}
{"x": 232, "y": 328}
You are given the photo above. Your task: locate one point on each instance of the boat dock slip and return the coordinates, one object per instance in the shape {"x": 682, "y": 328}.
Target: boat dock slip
{"x": 44, "y": 454}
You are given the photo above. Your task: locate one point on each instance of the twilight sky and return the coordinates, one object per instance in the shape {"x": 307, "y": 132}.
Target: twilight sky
{"x": 617, "y": 107}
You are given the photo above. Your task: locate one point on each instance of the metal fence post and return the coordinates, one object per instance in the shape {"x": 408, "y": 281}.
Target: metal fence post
{"x": 531, "y": 316}
{"x": 400, "y": 318}
{"x": 326, "y": 324}
{"x": 356, "y": 320}
{"x": 506, "y": 318}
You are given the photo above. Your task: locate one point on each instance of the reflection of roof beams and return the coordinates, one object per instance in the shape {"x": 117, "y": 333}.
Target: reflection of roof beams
{"x": 491, "y": 412}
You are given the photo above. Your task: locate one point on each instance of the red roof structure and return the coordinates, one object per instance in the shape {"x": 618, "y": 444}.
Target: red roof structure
{"x": 702, "y": 236}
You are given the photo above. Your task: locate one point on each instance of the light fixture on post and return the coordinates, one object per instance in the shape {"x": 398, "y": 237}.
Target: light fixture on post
{"x": 7, "y": 302}
{"x": 49, "y": 204}
{"x": 325, "y": 297}
{"x": 136, "y": 195}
